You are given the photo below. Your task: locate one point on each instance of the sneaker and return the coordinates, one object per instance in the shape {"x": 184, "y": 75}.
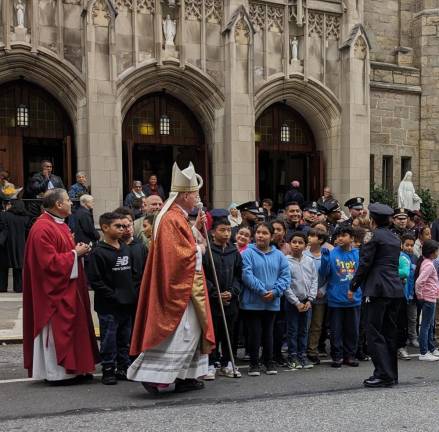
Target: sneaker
{"x": 336, "y": 364}
{"x": 403, "y": 354}
{"x": 293, "y": 363}
{"x": 270, "y": 369}
{"x": 305, "y": 363}
{"x": 121, "y": 375}
{"x": 428, "y": 357}
{"x": 109, "y": 377}
{"x": 280, "y": 361}
{"x": 254, "y": 371}
{"x": 350, "y": 362}
{"x": 314, "y": 359}
{"x": 414, "y": 343}
{"x": 227, "y": 371}
{"x": 435, "y": 352}
{"x": 210, "y": 376}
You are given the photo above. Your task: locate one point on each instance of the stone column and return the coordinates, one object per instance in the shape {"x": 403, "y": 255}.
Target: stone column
{"x": 354, "y": 153}
{"x": 104, "y": 147}
{"x": 234, "y": 163}
{"x": 426, "y": 33}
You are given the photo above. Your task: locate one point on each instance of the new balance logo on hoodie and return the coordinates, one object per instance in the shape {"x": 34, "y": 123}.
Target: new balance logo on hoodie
{"x": 122, "y": 263}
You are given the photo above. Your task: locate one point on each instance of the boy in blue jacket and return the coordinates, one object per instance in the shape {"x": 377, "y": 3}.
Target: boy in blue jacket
{"x": 339, "y": 267}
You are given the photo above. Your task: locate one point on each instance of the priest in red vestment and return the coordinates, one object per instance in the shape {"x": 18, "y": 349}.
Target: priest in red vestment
{"x": 58, "y": 334}
{"x": 173, "y": 331}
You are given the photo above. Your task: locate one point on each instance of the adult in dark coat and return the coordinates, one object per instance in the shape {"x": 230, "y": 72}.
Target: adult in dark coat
{"x": 85, "y": 231}
{"x": 44, "y": 180}
{"x": 435, "y": 230}
{"x": 154, "y": 188}
{"x": 14, "y": 227}
{"x": 294, "y": 194}
{"x": 377, "y": 275}
{"x": 39, "y": 184}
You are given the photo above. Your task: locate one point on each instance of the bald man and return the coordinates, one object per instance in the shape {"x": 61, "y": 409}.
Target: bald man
{"x": 151, "y": 206}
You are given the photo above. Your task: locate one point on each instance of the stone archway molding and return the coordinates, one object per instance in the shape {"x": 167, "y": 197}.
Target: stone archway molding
{"x": 56, "y": 77}
{"x": 192, "y": 87}
{"x": 316, "y": 103}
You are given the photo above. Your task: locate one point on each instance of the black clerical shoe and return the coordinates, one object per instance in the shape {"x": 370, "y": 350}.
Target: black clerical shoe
{"x": 78, "y": 379}
{"x": 186, "y": 385}
{"x": 373, "y": 382}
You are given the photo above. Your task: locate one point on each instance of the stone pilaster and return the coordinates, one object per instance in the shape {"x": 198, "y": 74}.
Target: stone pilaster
{"x": 234, "y": 163}
{"x": 426, "y": 33}
{"x": 105, "y": 159}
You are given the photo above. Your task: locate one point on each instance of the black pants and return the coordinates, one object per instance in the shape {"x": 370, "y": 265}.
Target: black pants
{"x": 382, "y": 336}
{"x": 221, "y": 353}
{"x": 16, "y": 277}
{"x": 344, "y": 324}
{"x": 280, "y": 329}
{"x": 260, "y": 331}
{"x": 402, "y": 324}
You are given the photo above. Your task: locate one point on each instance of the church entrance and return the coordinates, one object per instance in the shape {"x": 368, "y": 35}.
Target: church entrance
{"x": 285, "y": 151}
{"x": 33, "y": 127}
{"x": 158, "y": 130}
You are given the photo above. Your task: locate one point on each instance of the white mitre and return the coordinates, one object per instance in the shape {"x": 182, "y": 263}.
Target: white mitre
{"x": 186, "y": 180}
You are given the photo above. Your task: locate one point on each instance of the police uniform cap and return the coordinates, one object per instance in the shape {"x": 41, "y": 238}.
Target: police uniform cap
{"x": 312, "y": 207}
{"x": 400, "y": 212}
{"x": 380, "y": 209}
{"x": 332, "y": 206}
{"x": 355, "y": 203}
{"x": 219, "y": 213}
{"x": 250, "y": 206}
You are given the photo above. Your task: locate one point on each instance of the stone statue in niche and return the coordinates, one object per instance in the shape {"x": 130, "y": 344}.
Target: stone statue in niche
{"x": 294, "y": 49}
{"x": 169, "y": 30}
{"x": 20, "y": 9}
{"x": 407, "y": 196}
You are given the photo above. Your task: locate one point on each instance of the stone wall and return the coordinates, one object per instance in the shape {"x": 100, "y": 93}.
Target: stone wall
{"x": 394, "y": 131}
{"x": 381, "y": 20}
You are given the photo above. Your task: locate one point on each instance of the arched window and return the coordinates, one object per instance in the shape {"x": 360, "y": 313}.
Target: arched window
{"x": 285, "y": 133}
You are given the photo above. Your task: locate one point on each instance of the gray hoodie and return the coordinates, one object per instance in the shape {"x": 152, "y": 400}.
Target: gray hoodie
{"x": 304, "y": 280}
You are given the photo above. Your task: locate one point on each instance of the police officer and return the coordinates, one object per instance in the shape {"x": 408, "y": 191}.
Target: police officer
{"x": 332, "y": 211}
{"x": 377, "y": 275}
{"x": 310, "y": 212}
{"x": 400, "y": 218}
{"x": 355, "y": 206}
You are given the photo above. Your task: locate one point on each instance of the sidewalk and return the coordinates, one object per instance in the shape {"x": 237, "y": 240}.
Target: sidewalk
{"x": 11, "y": 317}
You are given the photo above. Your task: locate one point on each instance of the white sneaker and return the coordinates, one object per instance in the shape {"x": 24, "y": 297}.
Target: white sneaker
{"x": 210, "y": 376}
{"x": 428, "y": 357}
{"x": 403, "y": 354}
{"x": 435, "y": 352}
{"x": 227, "y": 371}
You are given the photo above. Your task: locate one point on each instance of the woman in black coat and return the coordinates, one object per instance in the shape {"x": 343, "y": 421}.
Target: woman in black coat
{"x": 14, "y": 227}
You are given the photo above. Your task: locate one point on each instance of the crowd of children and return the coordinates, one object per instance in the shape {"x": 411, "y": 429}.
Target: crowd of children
{"x": 279, "y": 285}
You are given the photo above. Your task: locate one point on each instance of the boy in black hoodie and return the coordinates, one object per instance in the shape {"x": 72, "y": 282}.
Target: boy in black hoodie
{"x": 228, "y": 265}
{"x": 110, "y": 277}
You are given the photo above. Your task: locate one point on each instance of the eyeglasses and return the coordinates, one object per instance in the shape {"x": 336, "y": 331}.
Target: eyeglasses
{"x": 121, "y": 226}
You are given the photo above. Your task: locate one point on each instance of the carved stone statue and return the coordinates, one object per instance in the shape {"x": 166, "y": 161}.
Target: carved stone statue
{"x": 169, "y": 30}
{"x": 407, "y": 197}
{"x": 20, "y": 8}
{"x": 295, "y": 49}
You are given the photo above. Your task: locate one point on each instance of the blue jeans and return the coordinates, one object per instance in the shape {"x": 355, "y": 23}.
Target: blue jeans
{"x": 426, "y": 332}
{"x": 115, "y": 330}
{"x": 297, "y": 330}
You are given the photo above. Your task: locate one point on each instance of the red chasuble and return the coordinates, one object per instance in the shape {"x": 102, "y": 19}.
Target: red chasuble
{"x": 49, "y": 295}
{"x": 167, "y": 286}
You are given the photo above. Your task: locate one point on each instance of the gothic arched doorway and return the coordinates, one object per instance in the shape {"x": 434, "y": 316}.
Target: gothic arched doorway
{"x": 158, "y": 130}
{"x": 285, "y": 151}
{"x": 33, "y": 127}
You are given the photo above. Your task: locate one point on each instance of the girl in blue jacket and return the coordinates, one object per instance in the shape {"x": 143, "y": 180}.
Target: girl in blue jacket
{"x": 266, "y": 276}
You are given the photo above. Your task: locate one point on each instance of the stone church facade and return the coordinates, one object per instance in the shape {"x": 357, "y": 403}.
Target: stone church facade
{"x": 255, "y": 93}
